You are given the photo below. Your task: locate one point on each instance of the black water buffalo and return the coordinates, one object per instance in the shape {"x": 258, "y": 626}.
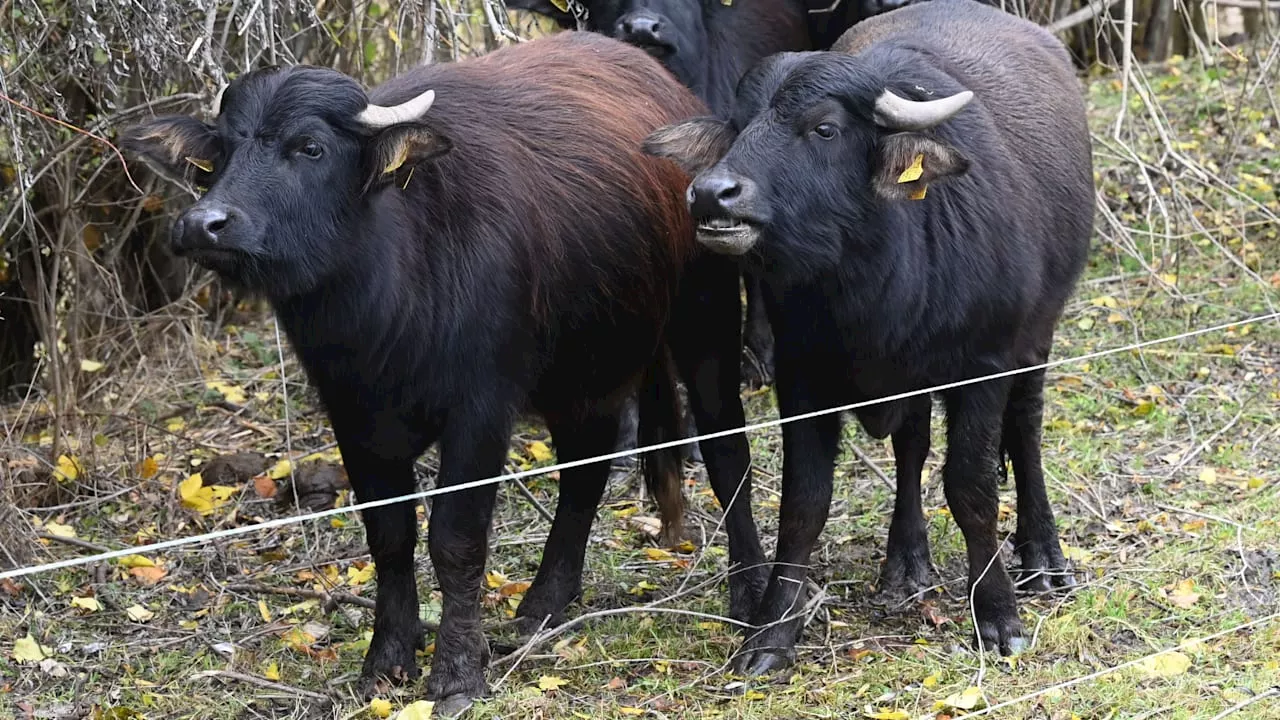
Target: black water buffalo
{"x": 461, "y": 243}
{"x": 918, "y": 204}
{"x": 708, "y": 45}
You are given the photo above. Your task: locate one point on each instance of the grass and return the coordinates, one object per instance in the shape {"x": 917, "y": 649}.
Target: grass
{"x": 1163, "y": 469}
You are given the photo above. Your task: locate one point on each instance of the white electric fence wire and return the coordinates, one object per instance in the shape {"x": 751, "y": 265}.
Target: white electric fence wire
{"x": 293, "y": 519}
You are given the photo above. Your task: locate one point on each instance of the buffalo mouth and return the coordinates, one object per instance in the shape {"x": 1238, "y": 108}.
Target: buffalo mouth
{"x": 221, "y": 260}
{"x": 651, "y": 45}
{"x": 728, "y": 235}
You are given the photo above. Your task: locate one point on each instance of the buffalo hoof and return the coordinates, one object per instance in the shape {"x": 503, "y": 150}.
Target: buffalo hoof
{"x": 1039, "y": 581}
{"x": 543, "y": 606}
{"x": 756, "y": 663}
{"x": 1005, "y": 634}
{"x": 457, "y": 668}
{"x": 906, "y": 577}
{"x": 391, "y": 660}
{"x": 529, "y": 625}
{"x": 452, "y": 706}
{"x": 746, "y": 590}
{"x": 1044, "y": 569}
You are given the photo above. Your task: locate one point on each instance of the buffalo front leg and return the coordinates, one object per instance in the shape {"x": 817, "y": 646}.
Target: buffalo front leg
{"x": 809, "y": 453}
{"x": 457, "y": 537}
{"x": 907, "y": 568}
{"x": 392, "y": 533}
{"x": 1043, "y": 566}
{"x": 706, "y": 342}
{"x": 969, "y": 479}
{"x": 559, "y": 578}
{"x": 757, "y": 336}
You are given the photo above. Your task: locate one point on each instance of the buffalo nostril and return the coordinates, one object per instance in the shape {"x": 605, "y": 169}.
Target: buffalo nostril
{"x": 640, "y": 26}
{"x": 729, "y": 191}
{"x": 213, "y": 225}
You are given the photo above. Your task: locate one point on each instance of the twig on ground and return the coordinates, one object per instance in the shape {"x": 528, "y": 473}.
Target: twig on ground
{"x": 77, "y": 542}
{"x": 1272, "y": 693}
{"x": 866, "y": 460}
{"x": 331, "y": 599}
{"x": 265, "y": 683}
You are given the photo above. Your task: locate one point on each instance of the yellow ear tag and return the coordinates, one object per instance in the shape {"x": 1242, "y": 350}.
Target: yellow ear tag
{"x": 402, "y": 154}
{"x": 914, "y": 172}
{"x": 561, "y": 5}
{"x": 919, "y": 194}
{"x": 204, "y": 165}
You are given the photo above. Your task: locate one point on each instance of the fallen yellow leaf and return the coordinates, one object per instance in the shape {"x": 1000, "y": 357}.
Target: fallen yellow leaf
{"x": 148, "y": 468}
{"x": 60, "y": 530}
{"x": 628, "y": 710}
{"x": 1208, "y": 476}
{"x": 1184, "y": 594}
{"x": 230, "y": 393}
{"x": 931, "y": 680}
{"x": 1165, "y": 665}
{"x": 968, "y": 699}
{"x": 201, "y": 498}
{"x": 66, "y": 469}
{"x": 416, "y": 710}
{"x": 27, "y": 650}
{"x": 280, "y": 470}
{"x": 657, "y": 554}
{"x": 890, "y": 715}
{"x": 136, "y": 561}
{"x": 88, "y": 604}
{"x": 137, "y": 613}
{"x": 360, "y": 576}
{"x": 380, "y": 708}
{"x": 495, "y": 579}
{"x": 551, "y": 682}
{"x": 272, "y": 672}
{"x": 91, "y": 366}
{"x": 264, "y": 611}
{"x": 539, "y": 451}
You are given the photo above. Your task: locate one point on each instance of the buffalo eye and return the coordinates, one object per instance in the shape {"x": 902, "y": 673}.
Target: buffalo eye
{"x": 310, "y": 149}
{"x": 825, "y": 130}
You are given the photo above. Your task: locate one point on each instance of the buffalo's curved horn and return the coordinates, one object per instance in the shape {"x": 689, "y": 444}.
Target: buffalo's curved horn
{"x": 378, "y": 116}
{"x": 217, "y": 101}
{"x": 898, "y": 113}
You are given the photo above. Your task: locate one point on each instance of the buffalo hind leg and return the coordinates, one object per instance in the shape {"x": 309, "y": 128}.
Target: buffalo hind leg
{"x": 1043, "y": 566}
{"x": 473, "y": 447}
{"x": 969, "y": 478}
{"x": 559, "y": 578}
{"x": 908, "y": 569}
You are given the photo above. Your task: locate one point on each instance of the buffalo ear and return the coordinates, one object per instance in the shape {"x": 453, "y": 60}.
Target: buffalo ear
{"x": 179, "y": 148}
{"x": 401, "y": 147}
{"x": 694, "y": 145}
{"x": 907, "y": 162}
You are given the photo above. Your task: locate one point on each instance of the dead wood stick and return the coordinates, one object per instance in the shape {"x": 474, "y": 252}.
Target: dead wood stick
{"x": 265, "y": 683}
{"x": 331, "y": 599}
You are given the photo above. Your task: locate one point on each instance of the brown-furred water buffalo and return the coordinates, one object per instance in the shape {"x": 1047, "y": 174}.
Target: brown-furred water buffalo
{"x": 464, "y": 242}
{"x": 918, "y": 205}
{"x": 708, "y": 45}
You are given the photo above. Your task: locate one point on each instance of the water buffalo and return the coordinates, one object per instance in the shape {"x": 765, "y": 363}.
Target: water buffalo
{"x": 708, "y": 45}
{"x": 459, "y": 244}
{"x": 918, "y": 205}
